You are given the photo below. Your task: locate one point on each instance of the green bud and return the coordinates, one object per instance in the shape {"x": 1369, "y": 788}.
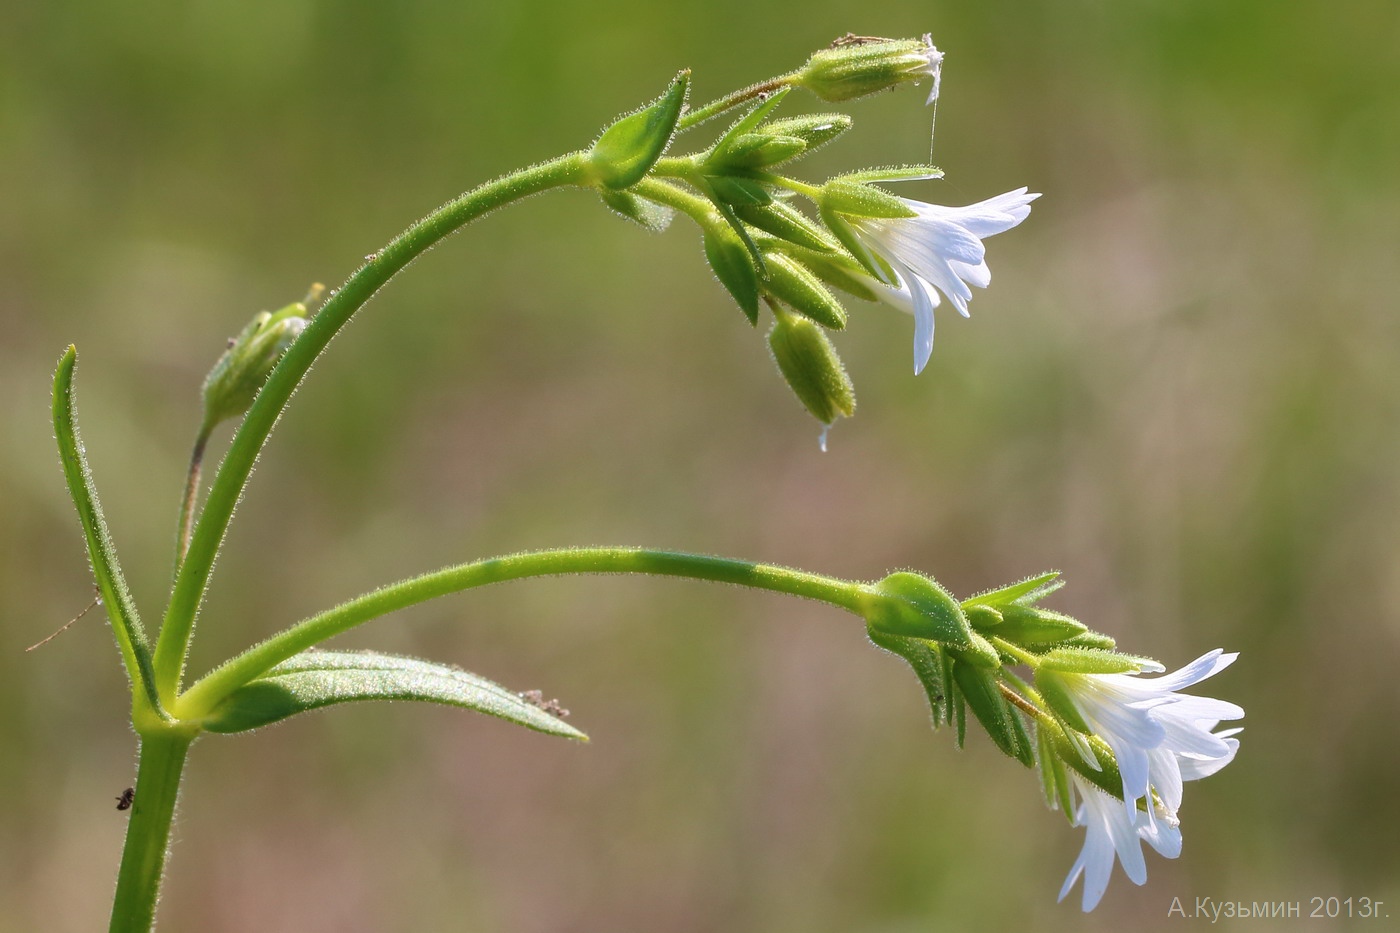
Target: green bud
{"x": 855, "y": 66}
{"x": 738, "y": 191}
{"x": 233, "y": 383}
{"x": 833, "y": 268}
{"x": 786, "y": 223}
{"x": 1033, "y": 627}
{"x": 795, "y": 285}
{"x": 733, "y": 266}
{"x": 983, "y": 619}
{"x": 627, "y": 150}
{"x": 1091, "y": 640}
{"x": 755, "y": 151}
{"x": 811, "y": 367}
{"x": 815, "y": 130}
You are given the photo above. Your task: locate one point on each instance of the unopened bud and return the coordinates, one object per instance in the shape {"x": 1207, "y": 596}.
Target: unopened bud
{"x": 811, "y": 367}
{"x": 233, "y": 383}
{"x": 855, "y": 66}
{"x": 794, "y": 284}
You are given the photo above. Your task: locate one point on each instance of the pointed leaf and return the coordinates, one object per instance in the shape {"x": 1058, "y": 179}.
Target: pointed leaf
{"x": 315, "y": 679}
{"x": 1027, "y": 591}
{"x": 926, "y": 660}
{"x": 102, "y": 554}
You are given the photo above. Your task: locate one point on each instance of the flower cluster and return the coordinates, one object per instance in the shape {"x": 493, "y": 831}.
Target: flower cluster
{"x": 1113, "y": 747}
{"x": 864, "y": 241}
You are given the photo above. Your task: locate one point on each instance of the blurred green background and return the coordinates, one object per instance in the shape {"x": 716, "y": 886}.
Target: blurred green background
{"x": 1181, "y": 390}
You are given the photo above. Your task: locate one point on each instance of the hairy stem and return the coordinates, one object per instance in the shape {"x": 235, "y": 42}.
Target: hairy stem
{"x": 192, "y": 579}
{"x": 148, "y": 832}
{"x": 713, "y": 109}
{"x": 191, "y": 498}
{"x": 207, "y": 692}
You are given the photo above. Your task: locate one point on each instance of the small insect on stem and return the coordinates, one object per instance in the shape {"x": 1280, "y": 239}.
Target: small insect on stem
{"x": 96, "y": 601}
{"x": 552, "y": 707}
{"x": 127, "y": 798}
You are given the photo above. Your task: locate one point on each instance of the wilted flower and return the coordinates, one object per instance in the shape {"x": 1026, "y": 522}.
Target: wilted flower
{"x": 1159, "y": 737}
{"x": 1111, "y": 832}
{"x": 939, "y": 249}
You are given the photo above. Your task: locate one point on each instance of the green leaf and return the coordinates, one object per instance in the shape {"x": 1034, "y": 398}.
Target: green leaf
{"x": 748, "y": 121}
{"x": 315, "y": 679}
{"x": 993, "y": 711}
{"x": 1054, "y": 780}
{"x": 630, "y": 147}
{"x": 106, "y": 569}
{"x": 733, "y": 266}
{"x": 739, "y": 192}
{"x": 649, "y": 214}
{"x": 894, "y": 173}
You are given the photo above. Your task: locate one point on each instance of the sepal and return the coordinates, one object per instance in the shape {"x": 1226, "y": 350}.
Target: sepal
{"x": 653, "y": 216}
{"x": 233, "y": 383}
{"x": 627, "y": 150}
{"x": 795, "y": 285}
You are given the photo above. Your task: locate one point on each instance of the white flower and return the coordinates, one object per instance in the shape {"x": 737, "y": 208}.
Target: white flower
{"x": 1159, "y": 737}
{"x": 939, "y": 249}
{"x": 1111, "y": 832}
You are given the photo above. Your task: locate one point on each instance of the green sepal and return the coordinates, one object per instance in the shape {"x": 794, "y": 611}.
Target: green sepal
{"x": 862, "y": 200}
{"x": 997, "y": 716}
{"x": 1030, "y": 590}
{"x": 959, "y": 701}
{"x": 1091, "y": 639}
{"x": 627, "y": 150}
{"x": 649, "y": 214}
{"x": 869, "y": 261}
{"x": 1033, "y": 627}
{"x": 1106, "y": 777}
{"x": 315, "y": 679}
{"x": 1054, "y": 779}
{"x": 1073, "y": 660}
{"x": 793, "y": 284}
{"x": 738, "y": 191}
{"x": 913, "y": 605}
{"x": 1059, "y": 698}
{"x": 810, "y": 365}
{"x": 894, "y": 173}
{"x": 734, "y": 267}
{"x": 786, "y": 223}
{"x": 929, "y": 665}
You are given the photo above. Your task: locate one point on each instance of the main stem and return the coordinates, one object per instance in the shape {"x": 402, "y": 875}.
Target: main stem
{"x": 204, "y": 695}
{"x": 148, "y": 832}
{"x": 192, "y": 579}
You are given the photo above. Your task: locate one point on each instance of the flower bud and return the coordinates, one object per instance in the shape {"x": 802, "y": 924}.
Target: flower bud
{"x": 233, "y": 383}
{"x": 855, "y": 66}
{"x": 811, "y": 367}
{"x": 914, "y": 605}
{"x": 795, "y": 285}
